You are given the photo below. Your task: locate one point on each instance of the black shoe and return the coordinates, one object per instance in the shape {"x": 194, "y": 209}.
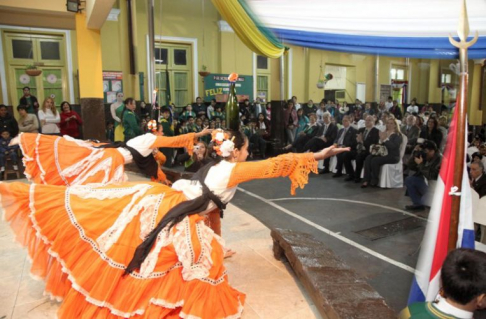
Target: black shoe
{"x": 357, "y": 180}
{"x": 415, "y": 207}
{"x": 324, "y": 171}
{"x": 349, "y": 179}
{"x": 337, "y": 175}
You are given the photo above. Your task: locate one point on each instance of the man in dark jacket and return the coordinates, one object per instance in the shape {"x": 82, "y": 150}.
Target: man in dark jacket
{"x": 30, "y": 101}
{"x": 8, "y": 122}
{"x": 345, "y": 138}
{"x": 426, "y": 162}
{"x": 366, "y": 137}
{"x": 478, "y": 178}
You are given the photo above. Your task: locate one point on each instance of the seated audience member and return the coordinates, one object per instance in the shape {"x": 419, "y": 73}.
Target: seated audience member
{"x": 263, "y": 126}
{"x": 8, "y": 122}
{"x": 366, "y": 137}
{"x": 269, "y": 111}
{"x": 431, "y": 132}
{"x": 346, "y": 138}
{"x": 199, "y": 158}
{"x": 259, "y": 107}
{"x": 384, "y": 116}
{"x": 419, "y": 122}
{"x": 245, "y": 109}
{"x": 389, "y": 103}
{"x": 425, "y": 161}
{"x": 396, "y": 111}
{"x": 343, "y": 109}
{"x": 199, "y": 107}
{"x": 320, "y": 113}
{"x": 291, "y": 121}
{"x": 325, "y": 137}
{"x": 390, "y": 142}
{"x": 70, "y": 120}
{"x": 463, "y": 288}
{"x": 303, "y": 120}
{"x": 218, "y": 113}
{"x": 7, "y": 151}
{"x": 28, "y": 122}
{"x": 310, "y": 108}
{"x": 368, "y": 110}
{"x": 413, "y": 107}
{"x": 443, "y": 128}
{"x": 255, "y": 138}
{"x": 187, "y": 113}
{"x": 478, "y": 178}
{"x": 411, "y": 131}
{"x": 303, "y": 137}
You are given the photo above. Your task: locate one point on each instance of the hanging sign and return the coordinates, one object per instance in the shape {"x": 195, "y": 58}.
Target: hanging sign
{"x": 216, "y": 86}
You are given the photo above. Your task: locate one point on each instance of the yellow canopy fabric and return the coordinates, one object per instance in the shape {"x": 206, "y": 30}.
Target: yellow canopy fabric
{"x": 246, "y": 29}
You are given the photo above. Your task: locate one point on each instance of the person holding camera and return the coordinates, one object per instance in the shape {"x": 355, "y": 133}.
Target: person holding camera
{"x": 199, "y": 158}
{"x": 425, "y": 161}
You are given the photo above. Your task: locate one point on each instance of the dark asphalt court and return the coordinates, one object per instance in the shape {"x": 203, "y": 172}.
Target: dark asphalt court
{"x": 383, "y": 230}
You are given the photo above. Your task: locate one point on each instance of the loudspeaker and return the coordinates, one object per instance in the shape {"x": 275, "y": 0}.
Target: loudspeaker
{"x": 72, "y": 5}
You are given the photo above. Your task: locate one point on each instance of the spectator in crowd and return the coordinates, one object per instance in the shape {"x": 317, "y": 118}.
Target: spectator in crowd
{"x": 218, "y": 113}
{"x": 305, "y": 136}
{"x": 302, "y": 121}
{"x": 130, "y": 121}
{"x": 110, "y": 131}
{"x": 368, "y": 110}
{"x": 145, "y": 110}
{"x": 245, "y": 109}
{"x": 419, "y": 122}
{"x": 411, "y": 131}
{"x": 199, "y": 107}
{"x": 396, "y": 111}
{"x": 211, "y": 109}
{"x": 29, "y": 100}
{"x": 389, "y": 103}
{"x": 7, "y": 151}
{"x": 346, "y": 138}
{"x": 28, "y": 123}
{"x": 320, "y": 113}
{"x": 390, "y": 140}
{"x": 413, "y": 107}
{"x": 297, "y": 105}
{"x": 70, "y": 121}
{"x": 8, "y": 122}
{"x": 478, "y": 178}
{"x": 258, "y": 107}
{"x": 325, "y": 137}
{"x": 255, "y": 139}
{"x": 443, "y": 128}
{"x": 49, "y": 117}
{"x": 367, "y": 136}
{"x": 333, "y": 109}
{"x": 291, "y": 121}
{"x": 167, "y": 127}
{"x": 425, "y": 161}
{"x": 199, "y": 158}
{"x": 431, "y": 131}
{"x": 188, "y": 112}
{"x": 384, "y": 116}
{"x": 425, "y": 107}
{"x": 263, "y": 125}
{"x": 269, "y": 111}
{"x": 463, "y": 288}
{"x": 198, "y": 125}
{"x": 310, "y": 108}
{"x": 343, "y": 109}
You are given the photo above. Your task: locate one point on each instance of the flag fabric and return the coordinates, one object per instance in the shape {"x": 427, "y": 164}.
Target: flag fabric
{"x": 425, "y": 285}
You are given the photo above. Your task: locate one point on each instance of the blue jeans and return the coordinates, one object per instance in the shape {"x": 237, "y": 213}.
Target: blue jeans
{"x": 416, "y": 188}
{"x": 13, "y": 156}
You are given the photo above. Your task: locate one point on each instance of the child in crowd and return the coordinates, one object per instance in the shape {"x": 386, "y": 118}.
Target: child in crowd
{"x": 7, "y": 151}
{"x": 187, "y": 113}
{"x": 110, "y": 131}
{"x": 463, "y": 281}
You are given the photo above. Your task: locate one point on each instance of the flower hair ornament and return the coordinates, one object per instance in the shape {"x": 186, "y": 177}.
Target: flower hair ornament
{"x": 222, "y": 143}
{"x": 152, "y": 125}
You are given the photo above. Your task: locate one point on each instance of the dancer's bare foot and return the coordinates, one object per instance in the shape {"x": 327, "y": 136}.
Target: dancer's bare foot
{"x": 228, "y": 253}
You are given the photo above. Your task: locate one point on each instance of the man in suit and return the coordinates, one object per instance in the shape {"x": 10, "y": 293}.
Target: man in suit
{"x": 412, "y": 132}
{"x": 324, "y": 138}
{"x": 366, "y": 137}
{"x": 478, "y": 178}
{"x": 345, "y": 138}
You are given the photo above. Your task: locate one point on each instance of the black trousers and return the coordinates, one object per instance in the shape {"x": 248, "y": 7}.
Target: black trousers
{"x": 316, "y": 144}
{"x": 359, "y": 157}
{"x": 257, "y": 141}
{"x": 300, "y": 143}
{"x": 373, "y": 165}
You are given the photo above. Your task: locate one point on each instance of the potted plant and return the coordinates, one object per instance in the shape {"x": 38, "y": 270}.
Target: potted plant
{"x": 321, "y": 83}
{"x": 204, "y": 71}
{"x": 32, "y": 70}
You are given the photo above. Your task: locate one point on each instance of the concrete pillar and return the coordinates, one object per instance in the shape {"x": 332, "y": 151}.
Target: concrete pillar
{"x": 90, "y": 79}
{"x": 475, "y": 115}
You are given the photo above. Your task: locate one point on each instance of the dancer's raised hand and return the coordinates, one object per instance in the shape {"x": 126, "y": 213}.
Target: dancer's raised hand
{"x": 205, "y": 131}
{"x": 330, "y": 151}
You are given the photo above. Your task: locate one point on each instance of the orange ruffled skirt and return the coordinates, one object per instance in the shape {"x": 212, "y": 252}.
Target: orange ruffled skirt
{"x": 55, "y": 160}
{"x": 80, "y": 239}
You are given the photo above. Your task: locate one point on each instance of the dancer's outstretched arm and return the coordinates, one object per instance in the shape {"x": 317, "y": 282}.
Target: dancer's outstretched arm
{"x": 185, "y": 140}
{"x": 296, "y": 166}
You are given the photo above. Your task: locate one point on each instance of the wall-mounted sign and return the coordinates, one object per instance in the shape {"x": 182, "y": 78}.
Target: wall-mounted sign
{"x": 216, "y": 86}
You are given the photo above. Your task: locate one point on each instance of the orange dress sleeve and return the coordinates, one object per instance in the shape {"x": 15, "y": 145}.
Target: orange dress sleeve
{"x": 185, "y": 140}
{"x": 296, "y": 166}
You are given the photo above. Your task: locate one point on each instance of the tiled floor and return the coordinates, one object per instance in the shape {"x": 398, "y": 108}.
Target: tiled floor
{"x": 272, "y": 290}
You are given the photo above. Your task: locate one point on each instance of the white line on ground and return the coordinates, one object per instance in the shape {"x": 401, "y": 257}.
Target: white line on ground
{"x": 331, "y": 233}
{"x": 349, "y": 201}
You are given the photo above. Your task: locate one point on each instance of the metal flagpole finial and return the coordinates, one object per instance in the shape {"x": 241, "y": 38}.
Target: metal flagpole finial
{"x": 463, "y": 31}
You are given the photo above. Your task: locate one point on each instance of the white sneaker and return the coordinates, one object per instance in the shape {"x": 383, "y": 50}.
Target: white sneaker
{"x": 2, "y": 169}
{"x": 15, "y": 167}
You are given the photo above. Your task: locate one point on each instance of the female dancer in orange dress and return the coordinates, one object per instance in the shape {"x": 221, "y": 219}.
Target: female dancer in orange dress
{"x": 55, "y": 160}
{"x": 141, "y": 250}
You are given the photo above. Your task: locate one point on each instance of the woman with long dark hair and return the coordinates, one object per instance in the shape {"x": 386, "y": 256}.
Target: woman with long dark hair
{"x": 142, "y": 249}
{"x": 431, "y": 131}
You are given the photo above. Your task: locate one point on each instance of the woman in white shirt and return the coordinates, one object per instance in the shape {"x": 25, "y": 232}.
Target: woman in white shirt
{"x": 49, "y": 118}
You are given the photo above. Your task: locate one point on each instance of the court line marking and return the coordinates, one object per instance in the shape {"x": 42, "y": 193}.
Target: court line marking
{"x": 349, "y": 201}
{"x": 331, "y": 233}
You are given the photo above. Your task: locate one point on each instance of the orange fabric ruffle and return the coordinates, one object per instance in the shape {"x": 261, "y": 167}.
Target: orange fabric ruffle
{"x": 296, "y": 166}
{"x": 56, "y": 160}
{"x": 185, "y": 140}
{"x": 81, "y": 238}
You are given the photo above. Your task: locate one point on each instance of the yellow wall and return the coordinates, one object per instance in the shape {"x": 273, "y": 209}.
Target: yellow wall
{"x": 35, "y": 13}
